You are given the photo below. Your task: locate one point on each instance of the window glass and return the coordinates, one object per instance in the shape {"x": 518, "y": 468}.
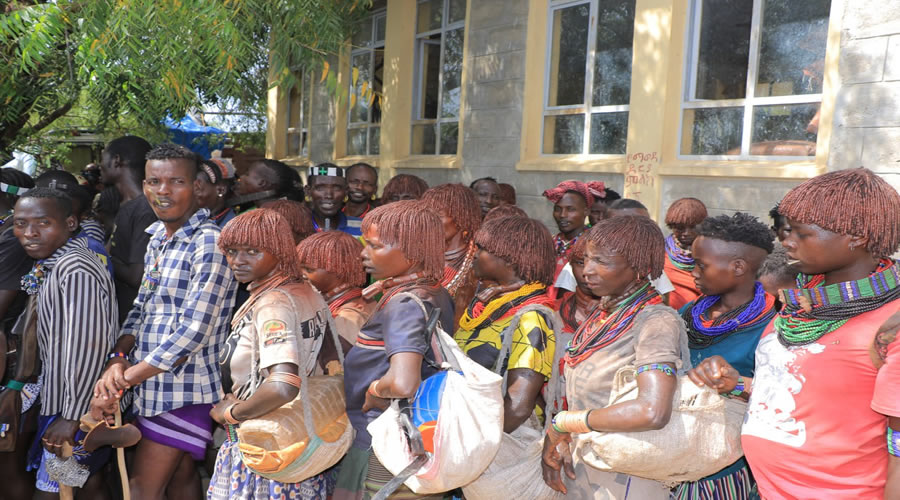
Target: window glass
{"x": 298, "y": 116}
{"x": 589, "y": 74}
{"x": 778, "y": 46}
{"x": 366, "y": 85}
{"x": 438, "y": 76}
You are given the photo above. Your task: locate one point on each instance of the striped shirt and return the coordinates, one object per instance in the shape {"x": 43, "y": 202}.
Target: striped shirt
{"x": 77, "y": 325}
{"x": 186, "y": 315}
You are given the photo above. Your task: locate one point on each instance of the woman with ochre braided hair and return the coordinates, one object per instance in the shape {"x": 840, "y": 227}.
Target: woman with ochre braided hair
{"x": 461, "y": 217}
{"x": 405, "y": 252}
{"x": 275, "y": 334}
{"x": 516, "y": 253}
{"x": 331, "y": 262}
{"x": 297, "y": 215}
{"x": 630, "y": 327}
{"x": 575, "y": 307}
{"x": 403, "y": 187}
{"x": 727, "y": 320}
{"x": 823, "y": 419}
{"x": 682, "y": 219}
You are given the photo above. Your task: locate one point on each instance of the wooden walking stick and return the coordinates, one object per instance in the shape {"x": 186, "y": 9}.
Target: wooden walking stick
{"x": 65, "y": 492}
{"x": 120, "y": 456}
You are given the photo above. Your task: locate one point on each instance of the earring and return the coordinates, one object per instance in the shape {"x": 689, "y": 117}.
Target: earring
{"x": 308, "y": 199}
{"x": 221, "y": 195}
{"x": 373, "y": 198}
{"x": 346, "y": 198}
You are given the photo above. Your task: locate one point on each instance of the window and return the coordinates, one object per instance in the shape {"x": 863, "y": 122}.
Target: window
{"x": 589, "y": 77}
{"x": 754, "y": 78}
{"x": 366, "y": 84}
{"x": 299, "y": 113}
{"x": 438, "y": 76}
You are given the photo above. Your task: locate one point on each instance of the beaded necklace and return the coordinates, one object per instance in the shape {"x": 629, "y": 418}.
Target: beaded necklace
{"x": 336, "y": 301}
{"x": 704, "y": 332}
{"x": 563, "y": 246}
{"x": 813, "y": 311}
{"x": 33, "y": 281}
{"x": 604, "y": 327}
{"x": 677, "y": 256}
{"x": 479, "y": 314}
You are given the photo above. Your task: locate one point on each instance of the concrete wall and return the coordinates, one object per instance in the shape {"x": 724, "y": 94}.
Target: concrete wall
{"x": 867, "y": 110}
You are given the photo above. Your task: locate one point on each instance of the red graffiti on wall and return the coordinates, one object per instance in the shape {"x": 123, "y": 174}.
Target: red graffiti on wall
{"x": 639, "y": 173}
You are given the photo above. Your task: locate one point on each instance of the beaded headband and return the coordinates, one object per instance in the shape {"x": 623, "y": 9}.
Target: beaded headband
{"x": 13, "y": 190}
{"x": 325, "y": 171}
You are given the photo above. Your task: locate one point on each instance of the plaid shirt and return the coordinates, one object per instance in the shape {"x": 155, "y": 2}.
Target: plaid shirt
{"x": 187, "y": 315}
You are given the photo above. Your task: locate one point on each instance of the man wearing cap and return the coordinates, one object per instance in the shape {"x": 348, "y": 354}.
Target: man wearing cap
{"x": 326, "y": 188}
{"x": 216, "y": 176}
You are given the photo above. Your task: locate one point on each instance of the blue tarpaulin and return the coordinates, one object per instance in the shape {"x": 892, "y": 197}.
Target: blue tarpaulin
{"x": 198, "y": 138}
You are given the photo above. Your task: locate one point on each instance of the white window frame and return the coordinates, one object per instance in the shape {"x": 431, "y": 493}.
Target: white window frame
{"x": 692, "y": 58}
{"x": 421, "y": 38}
{"x": 305, "y": 116}
{"x": 587, "y": 108}
{"x": 368, "y": 125}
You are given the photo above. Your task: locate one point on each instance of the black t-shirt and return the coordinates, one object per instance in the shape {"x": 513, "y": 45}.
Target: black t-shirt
{"x": 398, "y": 326}
{"x": 129, "y": 244}
{"x": 14, "y": 263}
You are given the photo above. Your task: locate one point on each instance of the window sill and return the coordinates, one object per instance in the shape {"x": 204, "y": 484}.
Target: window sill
{"x": 296, "y": 161}
{"x": 346, "y": 161}
{"x": 767, "y": 169}
{"x": 574, "y": 163}
{"x": 429, "y": 162}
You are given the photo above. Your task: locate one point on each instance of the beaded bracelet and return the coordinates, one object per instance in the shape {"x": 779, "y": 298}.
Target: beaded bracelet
{"x": 15, "y": 385}
{"x": 893, "y": 442}
{"x": 114, "y": 355}
{"x": 656, "y": 366}
{"x": 571, "y": 421}
{"x": 738, "y": 389}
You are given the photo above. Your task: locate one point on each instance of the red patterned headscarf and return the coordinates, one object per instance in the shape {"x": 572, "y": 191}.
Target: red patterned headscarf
{"x": 597, "y": 189}
{"x": 556, "y": 194}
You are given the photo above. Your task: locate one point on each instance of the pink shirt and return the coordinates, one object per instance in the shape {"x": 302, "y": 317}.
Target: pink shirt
{"x": 811, "y": 431}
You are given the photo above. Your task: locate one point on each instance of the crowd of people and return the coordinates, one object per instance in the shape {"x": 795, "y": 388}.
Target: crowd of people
{"x": 167, "y": 302}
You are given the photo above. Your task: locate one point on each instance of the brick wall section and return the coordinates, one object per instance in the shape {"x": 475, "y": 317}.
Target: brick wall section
{"x": 867, "y": 111}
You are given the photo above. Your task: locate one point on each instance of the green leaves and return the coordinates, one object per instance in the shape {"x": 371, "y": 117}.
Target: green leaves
{"x": 145, "y": 59}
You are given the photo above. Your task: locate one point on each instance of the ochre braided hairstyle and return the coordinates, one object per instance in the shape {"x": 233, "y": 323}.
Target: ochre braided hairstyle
{"x": 578, "y": 249}
{"x": 297, "y": 214}
{"x": 414, "y": 228}
{"x": 524, "y": 243}
{"x": 336, "y": 252}
{"x": 266, "y": 230}
{"x": 457, "y": 201}
{"x": 851, "y": 202}
{"x": 637, "y": 239}
{"x": 504, "y": 211}
{"x": 404, "y": 183}
{"x": 686, "y": 212}
{"x": 507, "y": 193}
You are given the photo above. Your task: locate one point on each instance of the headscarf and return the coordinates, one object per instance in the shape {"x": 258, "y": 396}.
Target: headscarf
{"x": 556, "y": 194}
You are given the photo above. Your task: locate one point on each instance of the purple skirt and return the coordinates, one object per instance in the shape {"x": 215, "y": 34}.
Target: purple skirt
{"x": 188, "y": 429}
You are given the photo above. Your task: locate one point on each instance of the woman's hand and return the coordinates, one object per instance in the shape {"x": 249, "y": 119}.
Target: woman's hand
{"x": 103, "y": 409}
{"x": 373, "y": 401}
{"x": 555, "y": 458}
{"x": 218, "y": 411}
{"x": 716, "y": 373}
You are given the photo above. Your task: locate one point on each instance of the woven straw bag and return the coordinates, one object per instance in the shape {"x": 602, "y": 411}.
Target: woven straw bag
{"x": 304, "y": 437}
{"x": 519, "y": 459}
{"x": 703, "y": 436}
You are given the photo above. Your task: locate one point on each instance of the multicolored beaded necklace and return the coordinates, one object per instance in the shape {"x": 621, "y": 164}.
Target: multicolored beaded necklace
{"x": 677, "y": 256}
{"x": 704, "y": 332}
{"x": 479, "y": 314}
{"x": 604, "y": 327}
{"x": 563, "y": 246}
{"x": 33, "y": 281}
{"x": 453, "y": 277}
{"x": 813, "y": 310}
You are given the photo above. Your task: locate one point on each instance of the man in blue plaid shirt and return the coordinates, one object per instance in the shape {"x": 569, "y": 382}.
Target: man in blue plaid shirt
{"x": 169, "y": 345}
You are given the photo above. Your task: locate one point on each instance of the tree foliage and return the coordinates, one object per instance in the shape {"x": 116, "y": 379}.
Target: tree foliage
{"x": 146, "y": 59}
